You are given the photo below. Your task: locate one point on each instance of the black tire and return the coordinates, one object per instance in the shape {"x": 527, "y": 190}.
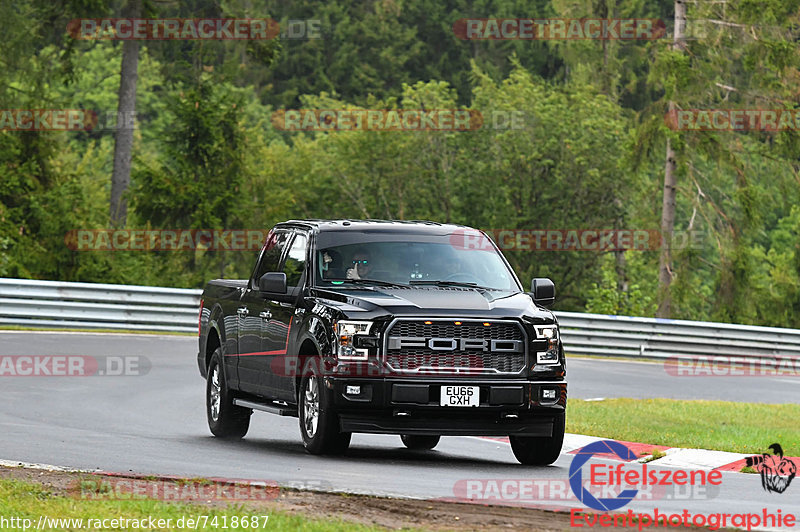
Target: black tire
{"x": 539, "y": 451}
{"x": 319, "y": 421}
{"x": 225, "y": 419}
{"x": 419, "y": 443}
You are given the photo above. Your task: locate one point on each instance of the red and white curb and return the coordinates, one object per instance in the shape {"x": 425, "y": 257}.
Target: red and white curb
{"x": 677, "y": 457}
{"x": 44, "y": 467}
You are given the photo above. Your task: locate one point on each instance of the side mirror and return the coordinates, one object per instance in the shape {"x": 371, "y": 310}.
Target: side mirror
{"x": 273, "y": 282}
{"x": 544, "y": 291}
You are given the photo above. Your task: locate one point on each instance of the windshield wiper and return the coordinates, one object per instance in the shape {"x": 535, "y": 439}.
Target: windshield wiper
{"x": 368, "y": 281}
{"x": 462, "y": 284}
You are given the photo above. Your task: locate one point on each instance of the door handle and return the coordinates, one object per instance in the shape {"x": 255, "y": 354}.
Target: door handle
{"x": 265, "y": 315}
{"x": 242, "y": 311}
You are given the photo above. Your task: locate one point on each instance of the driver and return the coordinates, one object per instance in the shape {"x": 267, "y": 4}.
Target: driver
{"x": 449, "y": 266}
{"x": 362, "y": 265}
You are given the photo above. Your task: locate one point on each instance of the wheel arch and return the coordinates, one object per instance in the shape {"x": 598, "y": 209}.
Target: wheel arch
{"x": 216, "y": 334}
{"x": 212, "y": 342}
{"x": 309, "y": 347}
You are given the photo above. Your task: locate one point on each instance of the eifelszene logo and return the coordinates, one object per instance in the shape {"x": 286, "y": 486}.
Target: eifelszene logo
{"x": 576, "y": 475}
{"x": 776, "y": 471}
{"x": 629, "y": 477}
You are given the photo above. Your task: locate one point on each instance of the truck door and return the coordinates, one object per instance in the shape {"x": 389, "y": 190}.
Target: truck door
{"x": 279, "y": 328}
{"x": 253, "y": 317}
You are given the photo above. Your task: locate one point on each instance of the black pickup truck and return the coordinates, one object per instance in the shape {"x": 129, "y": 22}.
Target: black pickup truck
{"x": 386, "y": 327}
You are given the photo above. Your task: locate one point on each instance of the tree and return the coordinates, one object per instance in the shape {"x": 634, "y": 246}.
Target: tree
{"x": 126, "y": 111}
{"x": 734, "y": 56}
{"x": 668, "y": 204}
{"x": 197, "y": 182}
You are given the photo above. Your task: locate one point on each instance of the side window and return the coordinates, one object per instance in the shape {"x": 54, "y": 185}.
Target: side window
{"x": 271, "y": 255}
{"x": 296, "y": 260}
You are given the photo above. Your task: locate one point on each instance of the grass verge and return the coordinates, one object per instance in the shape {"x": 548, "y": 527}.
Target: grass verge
{"x": 716, "y": 425}
{"x": 25, "y": 500}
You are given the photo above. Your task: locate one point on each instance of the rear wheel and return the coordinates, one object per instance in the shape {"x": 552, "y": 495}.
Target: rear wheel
{"x": 419, "y": 443}
{"x": 225, "y": 419}
{"x": 539, "y": 451}
{"x": 319, "y": 422}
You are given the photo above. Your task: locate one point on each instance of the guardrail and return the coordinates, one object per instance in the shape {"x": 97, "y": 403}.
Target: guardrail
{"x": 107, "y": 306}
{"x": 596, "y": 334}
{"x": 98, "y": 306}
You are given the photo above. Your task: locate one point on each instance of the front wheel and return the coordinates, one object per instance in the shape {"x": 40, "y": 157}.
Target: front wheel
{"x": 419, "y": 443}
{"x": 537, "y": 450}
{"x": 225, "y": 419}
{"x": 319, "y": 423}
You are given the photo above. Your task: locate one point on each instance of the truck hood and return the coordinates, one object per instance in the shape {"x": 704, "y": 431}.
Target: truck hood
{"x": 433, "y": 301}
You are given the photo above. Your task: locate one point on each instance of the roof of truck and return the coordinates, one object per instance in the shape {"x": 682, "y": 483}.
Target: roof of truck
{"x": 389, "y": 226}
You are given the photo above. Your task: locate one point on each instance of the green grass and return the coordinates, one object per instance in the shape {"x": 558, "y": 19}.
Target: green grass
{"x": 655, "y": 456}
{"x": 716, "y": 425}
{"x": 25, "y": 500}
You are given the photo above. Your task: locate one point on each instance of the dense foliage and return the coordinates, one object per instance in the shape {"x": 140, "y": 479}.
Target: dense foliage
{"x": 588, "y": 152}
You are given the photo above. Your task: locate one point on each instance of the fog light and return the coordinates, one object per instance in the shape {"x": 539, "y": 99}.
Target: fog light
{"x": 548, "y": 394}
{"x": 353, "y": 390}
{"x": 348, "y": 352}
{"x": 547, "y": 357}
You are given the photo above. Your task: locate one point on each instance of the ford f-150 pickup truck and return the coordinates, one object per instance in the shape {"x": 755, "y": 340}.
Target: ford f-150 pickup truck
{"x": 387, "y": 327}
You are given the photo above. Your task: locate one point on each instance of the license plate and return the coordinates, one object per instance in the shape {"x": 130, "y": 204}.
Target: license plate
{"x": 460, "y": 396}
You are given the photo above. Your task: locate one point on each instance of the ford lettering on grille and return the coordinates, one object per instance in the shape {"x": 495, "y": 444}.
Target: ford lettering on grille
{"x": 460, "y": 346}
{"x": 456, "y": 344}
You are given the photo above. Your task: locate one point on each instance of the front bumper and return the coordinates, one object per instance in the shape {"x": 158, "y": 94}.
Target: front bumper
{"x": 411, "y": 406}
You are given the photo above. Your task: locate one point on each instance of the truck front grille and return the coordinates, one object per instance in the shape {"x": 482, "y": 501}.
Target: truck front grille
{"x": 443, "y": 347}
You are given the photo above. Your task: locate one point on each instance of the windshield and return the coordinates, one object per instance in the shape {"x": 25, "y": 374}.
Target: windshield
{"x": 396, "y": 259}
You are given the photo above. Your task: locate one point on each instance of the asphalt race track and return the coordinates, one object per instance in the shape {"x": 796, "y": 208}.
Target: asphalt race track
{"x": 155, "y": 424}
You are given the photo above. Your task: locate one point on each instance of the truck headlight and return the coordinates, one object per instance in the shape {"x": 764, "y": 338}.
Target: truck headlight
{"x": 346, "y": 331}
{"x": 550, "y": 355}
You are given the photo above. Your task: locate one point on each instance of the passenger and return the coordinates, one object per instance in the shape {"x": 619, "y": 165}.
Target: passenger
{"x": 331, "y": 264}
